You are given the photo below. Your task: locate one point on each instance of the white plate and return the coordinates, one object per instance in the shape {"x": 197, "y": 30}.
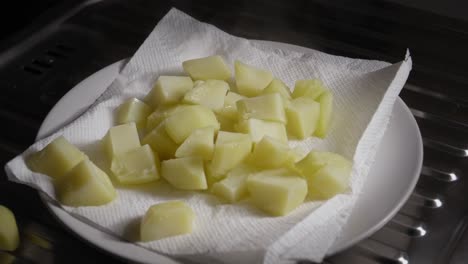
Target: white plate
{"x": 392, "y": 177}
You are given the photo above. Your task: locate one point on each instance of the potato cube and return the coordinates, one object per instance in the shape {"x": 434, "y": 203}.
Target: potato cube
{"x": 161, "y": 113}
{"x": 226, "y": 123}
{"x": 56, "y": 159}
{"x": 276, "y": 194}
{"x": 257, "y": 129}
{"x": 133, "y": 110}
{"x": 165, "y": 220}
{"x": 315, "y": 160}
{"x": 85, "y": 185}
{"x": 229, "y": 110}
{"x": 160, "y": 142}
{"x": 326, "y": 111}
{"x": 278, "y": 86}
{"x": 312, "y": 88}
{"x": 185, "y": 173}
{"x": 251, "y": 81}
{"x": 136, "y": 166}
{"x": 234, "y": 186}
{"x": 9, "y": 236}
{"x": 199, "y": 143}
{"x": 212, "y": 67}
{"x": 270, "y": 153}
{"x": 210, "y": 93}
{"x": 181, "y": 124}
{"x": 168, "y": 90}
{"x": 303, "y": 114}
{"x": 120, "y": 139}
{"x": 230, "y": 150}
{"x": 266, "y": 107}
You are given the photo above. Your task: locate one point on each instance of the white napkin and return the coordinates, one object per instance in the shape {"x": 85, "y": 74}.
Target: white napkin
{"x": 364, "y": 90}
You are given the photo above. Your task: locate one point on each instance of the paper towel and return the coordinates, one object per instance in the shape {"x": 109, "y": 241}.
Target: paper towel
{"x": 364, "y": 91}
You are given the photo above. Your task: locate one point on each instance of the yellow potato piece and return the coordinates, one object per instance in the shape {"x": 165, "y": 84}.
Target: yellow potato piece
{"x": 161, "y": 113}
{"x": 229, "y": 110}
{"x": 266, "y": 107}
{"x": 311, "y": 88}
{"x": 136, "y": 166}
{"x": 85, "y": 185}
{"x": 168, "y": 90}
{"x": 258, "y": 128}
{"x": 234, "y": 186}
{"x": 226, "y": 123}
{"x": 230, "y": 150}
{"x": 212, "y": 67}
{"x": 271, "y": 153}
{"x": 133, "y": 110}
{"x": 9, "y": 236}
{"x": 278, "y": 86}
{"x": 210, "y": 93}
{"x": 200, "y": 143}
{"x": 250, "y": 81}
{"x": 181, "y": 124}
{"x": 185, "y": 173}
{"x": 276, "y": 194}
{"x": 303, "y": 115}
{"x": 120, "y": 139}
{"x": 326, "y": 111}
{"x": 166, "y": 219}
{"x": 160, "y": 142}
{"x": 56, "y": 159}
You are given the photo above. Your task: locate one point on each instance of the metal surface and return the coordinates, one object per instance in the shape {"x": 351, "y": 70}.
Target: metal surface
{"x": 76, "y": 39}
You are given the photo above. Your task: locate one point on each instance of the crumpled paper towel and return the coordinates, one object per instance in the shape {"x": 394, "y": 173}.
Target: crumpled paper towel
{"x": 364, "y": 90}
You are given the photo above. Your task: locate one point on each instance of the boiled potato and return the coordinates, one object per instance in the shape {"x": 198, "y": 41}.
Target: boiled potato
{"x": 234, "y": 186}
{"x": 250, "y": 81}
{"x": 181, "y": 124}
{"x": 311, "y": 88}
{"x": 136, "y": 166}
{"x": 133, "y": 110}
{"x": 168, "y": 90}
{"x": 199, "y": 143}
{"x": 9, "y": 236}
{"x": 266, "y": 107}
{"x": 120, "y": 139}
{"x": 278, "y": 86}
{"x": 326, "y": 111}
{"x": 160, "y": 142}
{"x": 210, "y": 93}
{"x": 185, "y": 173}
{"x": 303, "y": 114}
{"x": 230, "y": 150}
{"x": 85, "y": 185}
{"x": 226, "y": 123}
{"x": 212, "y": 67}
{"x": 257, "y": 129}
{"x": 165, "y": 220}
{"x": 161, "y": 113}
{"x": 276, "y": 194}
{"x": 56, "y": 159}
{"x": 271, "y": 153}
{"x": 229, "y": 109}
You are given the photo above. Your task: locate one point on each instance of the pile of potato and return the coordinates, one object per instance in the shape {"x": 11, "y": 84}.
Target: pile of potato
{"x": 203, "y": 133}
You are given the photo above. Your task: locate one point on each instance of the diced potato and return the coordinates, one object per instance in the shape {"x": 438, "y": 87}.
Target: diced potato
{"x": 181, "y": 124}
{"x": 212, "y": 67}
{"x": 226, "y": 123}
{"x": 199, "y": 143}
{"x": 311, "y": 88}
{"x": 161, "y": 113}
{"x": 85, "y": 185}
{"x": 136, "y": 166}
{"x": 303, "y": 114}
{"x": 168, "y": 90}
{"x": 120, "y": 139}
{"x": 230, "y": 150}
{"x": 9, "y": 236}
{"x": 160, "y": 142}
{"x": 133, "y": 110}
{"x": 234, "y": 186}
{"x": 278, "y": 86}
{"x": 326, "y": 111}
{"x": 165, "y": 220}
{"x": 315, "y": 160}
{"x": 257, "y": 129}
{"x": 185, "y": 173}
{"x": 276, "y": 194}
{"x": 56, "y": 159}
{"x": 211, "y": 178}
{"x": 210, "y": 93}
{"x": 266, "y": 107}
{"x": 270, "y": 153}
{"x": 229, "y": 109}
{"x": 251, "y": 81}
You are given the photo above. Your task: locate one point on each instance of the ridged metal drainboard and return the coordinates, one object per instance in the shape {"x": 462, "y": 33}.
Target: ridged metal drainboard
{"x": 430, "y": 227}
